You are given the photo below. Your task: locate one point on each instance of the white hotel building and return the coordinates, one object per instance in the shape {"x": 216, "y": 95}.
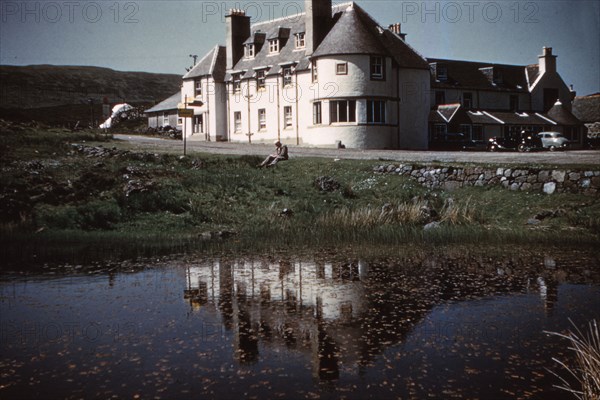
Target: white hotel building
{"x": 333, "y": 76}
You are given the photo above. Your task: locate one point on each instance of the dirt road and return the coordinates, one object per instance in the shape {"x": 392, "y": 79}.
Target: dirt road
{"x": 574, "y": 157}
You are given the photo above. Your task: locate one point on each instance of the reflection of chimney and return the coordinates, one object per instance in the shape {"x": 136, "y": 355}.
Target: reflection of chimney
{"x": 238, "y": 30}
{"x": 318, "y": 23}
{"x": 547, "y": 61}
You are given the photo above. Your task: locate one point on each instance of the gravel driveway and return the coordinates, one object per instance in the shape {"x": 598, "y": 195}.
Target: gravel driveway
{"x": 574, "y": 157}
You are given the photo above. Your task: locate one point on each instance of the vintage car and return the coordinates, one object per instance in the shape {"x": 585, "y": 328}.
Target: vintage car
{"x": 553, "y": 140}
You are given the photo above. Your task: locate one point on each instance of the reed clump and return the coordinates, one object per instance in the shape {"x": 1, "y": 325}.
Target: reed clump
{"x": 583, "y": 374}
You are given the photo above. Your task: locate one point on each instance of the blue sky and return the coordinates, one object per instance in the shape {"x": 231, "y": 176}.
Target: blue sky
{"x": 159, "y": 36}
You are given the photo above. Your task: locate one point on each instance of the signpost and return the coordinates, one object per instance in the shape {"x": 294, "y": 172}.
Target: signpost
{"x": 184, "y": 113}
{"x": 187, "y": 113}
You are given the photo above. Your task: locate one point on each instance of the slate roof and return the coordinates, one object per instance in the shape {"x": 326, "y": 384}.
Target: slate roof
{"x": 533, "y": 72}
{"x": 455, "y": 113}
{"x": 356, "y": 32}
{"x": 469, "y": 75}
{"x": 288, "y": 54}
{"x": 513, "y": 118}
{"x": 587, "y": 108}
{"x": 212, "y": 64}
{"x": 353, "y": 32}
{"x": 561, "y": 115}
{"x": 167, "y": 104}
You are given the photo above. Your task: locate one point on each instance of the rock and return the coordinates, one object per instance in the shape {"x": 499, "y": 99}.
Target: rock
{"x": 533, "y": 221}
{"x": 543, "y": 176}
{"x": 558, "y": 176}
{"x": 549, "y": 187}
{"x": 286, "y": 212}
{"x": 432, "y": 225}
{"x": 586, "y": 183}
{"x": 327, "y": 184}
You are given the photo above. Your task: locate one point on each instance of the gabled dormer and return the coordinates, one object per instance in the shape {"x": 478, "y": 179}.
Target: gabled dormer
{"x": 278, "y": 39}
{"x": 493, "y": 74}
{"x": 254, "y": 44}
{"x": 439, "y": 71}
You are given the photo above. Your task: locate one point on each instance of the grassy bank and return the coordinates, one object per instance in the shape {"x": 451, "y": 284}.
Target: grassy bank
{"x": 54, "y": 192}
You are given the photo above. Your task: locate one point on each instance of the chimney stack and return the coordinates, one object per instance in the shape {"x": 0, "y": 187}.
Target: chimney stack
{"x": 318, "y": 23}
{"x": 547, "y": 61}
{"x": 396, "y": 28}
{"x": 238, "y": 30}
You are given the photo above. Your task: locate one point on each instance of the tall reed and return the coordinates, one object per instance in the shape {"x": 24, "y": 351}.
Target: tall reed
{"x": 586, "y": 368}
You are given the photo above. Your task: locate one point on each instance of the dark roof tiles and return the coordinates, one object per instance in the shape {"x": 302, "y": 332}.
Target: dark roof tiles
{"x": 167, "y": 104}
{"x": 212, "y": 64}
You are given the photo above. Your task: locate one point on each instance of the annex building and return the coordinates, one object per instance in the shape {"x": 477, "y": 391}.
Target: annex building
{"x": 333, "y": 76}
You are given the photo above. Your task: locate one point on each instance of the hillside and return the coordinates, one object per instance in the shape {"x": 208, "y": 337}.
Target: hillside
{"x": 59, "y": 95}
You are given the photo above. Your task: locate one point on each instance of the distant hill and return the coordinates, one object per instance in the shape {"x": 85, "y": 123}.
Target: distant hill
{"x": 59, "y": 95}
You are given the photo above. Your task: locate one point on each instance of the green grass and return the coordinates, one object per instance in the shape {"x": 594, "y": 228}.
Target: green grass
{"x": 51, "y": 194}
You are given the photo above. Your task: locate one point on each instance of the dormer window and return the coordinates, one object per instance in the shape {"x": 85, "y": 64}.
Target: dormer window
{"x": 497, "y": 76}
{"x": 287, "y": 76}
{"x": 300, "y": 40}
{"x": 237, "y": 82}
{"x": 260, "y": 79}
{"x": 250, "y": 50}
{"x": 441, "y": 73}
{"x": 273, "y": 46}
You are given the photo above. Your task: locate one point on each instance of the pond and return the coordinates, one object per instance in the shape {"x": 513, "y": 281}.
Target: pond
{"x": 294, "y": 327}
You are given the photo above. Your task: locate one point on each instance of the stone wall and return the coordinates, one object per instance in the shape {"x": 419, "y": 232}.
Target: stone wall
{"x": 548, "y": 181}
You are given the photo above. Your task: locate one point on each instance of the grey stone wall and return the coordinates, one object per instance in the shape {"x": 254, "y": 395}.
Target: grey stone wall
{"x": 548, "y": 181}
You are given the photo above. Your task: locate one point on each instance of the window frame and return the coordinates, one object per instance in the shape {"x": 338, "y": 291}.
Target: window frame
{"x": 262, "y": 119}
{"x": 317, "y": 113}
{"x": 250, "y": 50}
{"x": 288, "y": 117}
{"x": 261, "y": 79}
{"x": 237, "y": 82}
{"x": 380, "y": 75}
{"x": 376, "y": 112}
{"x": 315, "y": 71}
{"x": 197, "y": 87}
{"x": 342, "y": 111}
{"x": 467, "y": 98}
{"x": 343, "y": 70}
{"x": 300, "y": 42}
{"x": 287, "y": 78}
{"x": 273, "y": 46}
{"x": 237, "y": 121}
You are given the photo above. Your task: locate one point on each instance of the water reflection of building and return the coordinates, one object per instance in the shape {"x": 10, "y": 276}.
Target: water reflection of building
{"x": 288, "y": 304}
{"x": 345, "y": 314}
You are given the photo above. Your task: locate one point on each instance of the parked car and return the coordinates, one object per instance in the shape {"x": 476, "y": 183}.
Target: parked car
{"x": 456, "y": 142}
{"x": 553, "y": 140}
{"x": 503, "y": 144}
{"x": 530, "y": 142}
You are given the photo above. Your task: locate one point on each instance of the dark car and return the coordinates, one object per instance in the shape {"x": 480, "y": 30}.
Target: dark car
{"x": 503, "y": 144}
{"x": 456, "y": 142}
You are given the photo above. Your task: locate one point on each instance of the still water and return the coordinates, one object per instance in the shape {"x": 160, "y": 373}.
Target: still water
{"x": 199, "y": 328}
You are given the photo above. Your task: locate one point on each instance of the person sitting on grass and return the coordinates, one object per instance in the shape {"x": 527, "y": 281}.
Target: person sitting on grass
{"x": 281, "y": 154}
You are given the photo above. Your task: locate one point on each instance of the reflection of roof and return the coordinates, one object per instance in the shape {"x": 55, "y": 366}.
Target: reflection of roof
{"x": 474, "y": 75}
{"x": 212, "y": 64}
{"x": 167, "y": 104}
{"x": 561, "y": 115}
